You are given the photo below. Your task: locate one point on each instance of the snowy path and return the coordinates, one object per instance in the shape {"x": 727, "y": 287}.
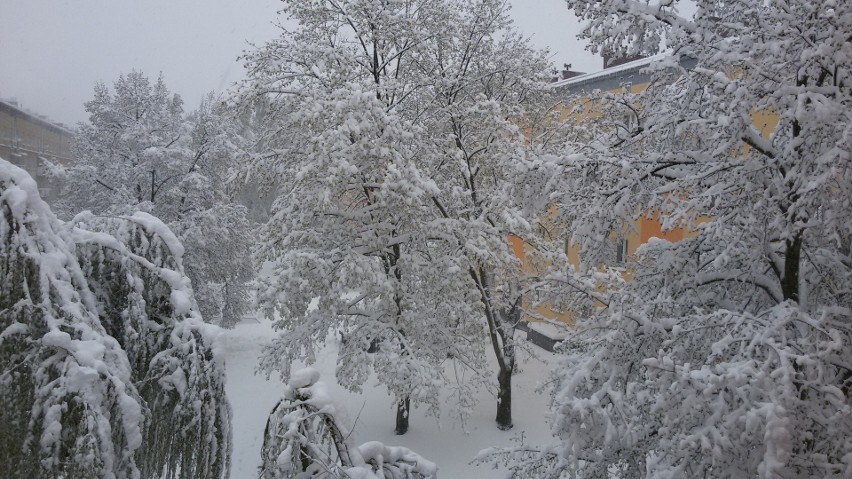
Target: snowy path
{"x": 443, "y": 442}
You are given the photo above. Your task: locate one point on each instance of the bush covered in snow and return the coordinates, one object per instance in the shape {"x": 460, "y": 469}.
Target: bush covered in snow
{"x": 305, "y": 437}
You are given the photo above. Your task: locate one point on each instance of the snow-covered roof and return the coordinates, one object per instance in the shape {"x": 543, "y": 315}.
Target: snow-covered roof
{"x": 624, "y": 67}
{"x": 614, "y": 77}
{"x": 551, "y": 330}
{"x": 13, "y": 107}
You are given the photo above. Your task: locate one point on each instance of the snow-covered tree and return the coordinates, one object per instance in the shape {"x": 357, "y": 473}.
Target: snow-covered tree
{"x": 130, "y": 149}
{"x": 213, "y": 227}
{"x": 488, "y": 91}
{"x": 305, "y": 437}
{"x": 350, "y": 227}
{"x": 726, "y": 354}
{"x": 107, "y": 368}
{"x": 70, "y": 407}
{"x": 392, "y": 127}
{"x": 139, "y": 151}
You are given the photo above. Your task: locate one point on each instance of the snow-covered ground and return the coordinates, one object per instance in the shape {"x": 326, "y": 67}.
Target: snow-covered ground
{"x": 442, "y": 441}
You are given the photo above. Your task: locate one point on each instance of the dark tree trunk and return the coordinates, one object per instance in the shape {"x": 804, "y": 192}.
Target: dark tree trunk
{"x": 391, "y": 270}
{"x": 508, "y": 322}
{"x": 792, "y": 258}
{"x": 153, "y": 173}
{"x": 501, "y": 330}
{"x": 504, "y": 398}
{"x": 402, "y": 409}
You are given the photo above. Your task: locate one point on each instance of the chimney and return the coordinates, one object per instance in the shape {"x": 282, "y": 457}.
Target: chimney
{"x": 566, "y": 73}
{"x": 609, "y": 62}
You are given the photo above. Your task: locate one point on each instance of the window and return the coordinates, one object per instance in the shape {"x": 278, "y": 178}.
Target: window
{"x": 615, "y": 252}
{"x": 621, "y": 251}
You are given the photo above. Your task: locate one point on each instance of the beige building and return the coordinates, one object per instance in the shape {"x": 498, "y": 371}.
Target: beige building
{"x": 27, "y": 139}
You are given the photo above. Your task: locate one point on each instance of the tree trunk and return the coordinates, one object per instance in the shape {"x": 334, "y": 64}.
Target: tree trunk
{"x": 792, "y": 258}
{"x": 501, "y": 330}
{"x": 402, "y": 409}
{"x": 504, "y": 398}
{"x": 508, "y": 321}
{"x": 153, "y": 173}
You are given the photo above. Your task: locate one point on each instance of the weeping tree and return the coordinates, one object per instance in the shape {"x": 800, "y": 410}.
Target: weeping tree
{"x": 104, "y": 353}
{"x": 134, "y": 266}
{"x": 70, "y": 407}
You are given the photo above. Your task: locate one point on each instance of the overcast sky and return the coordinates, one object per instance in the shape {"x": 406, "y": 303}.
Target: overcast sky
{"x": 53, "y": 51}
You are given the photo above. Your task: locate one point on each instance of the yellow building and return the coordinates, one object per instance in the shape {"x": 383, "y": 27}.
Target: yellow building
{"x": 547, "y": 325}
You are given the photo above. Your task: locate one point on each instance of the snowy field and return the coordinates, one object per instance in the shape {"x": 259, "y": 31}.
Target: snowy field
{"x": 442, "y": 441}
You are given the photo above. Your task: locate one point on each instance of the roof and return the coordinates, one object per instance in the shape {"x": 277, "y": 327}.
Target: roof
{"x": 611, "y": 78}
{"x": 15, "y": 110}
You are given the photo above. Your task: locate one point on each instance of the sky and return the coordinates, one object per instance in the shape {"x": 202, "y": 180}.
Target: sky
{"x": 53, "y": 52}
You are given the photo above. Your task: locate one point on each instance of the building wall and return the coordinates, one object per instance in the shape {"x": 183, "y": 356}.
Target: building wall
{"x": 26, "y": 140}
{"x": 575, "y": 91}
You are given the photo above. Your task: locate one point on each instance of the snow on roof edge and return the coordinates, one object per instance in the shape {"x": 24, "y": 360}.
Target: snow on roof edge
{"x": 37, "y": 117}
{"x": 642, "y": 62}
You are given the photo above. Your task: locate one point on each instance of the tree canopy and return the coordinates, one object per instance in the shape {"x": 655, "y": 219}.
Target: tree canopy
{"x": 392, "y": 129}
{"x": 141, "y": 152}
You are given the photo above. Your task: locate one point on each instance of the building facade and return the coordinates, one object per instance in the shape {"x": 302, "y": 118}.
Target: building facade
{"x": 28, "y": 140}
{"x": 547, "y": 325}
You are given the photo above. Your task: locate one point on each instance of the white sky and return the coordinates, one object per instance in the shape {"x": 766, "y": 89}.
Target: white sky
{"x": 53, "y": 51}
